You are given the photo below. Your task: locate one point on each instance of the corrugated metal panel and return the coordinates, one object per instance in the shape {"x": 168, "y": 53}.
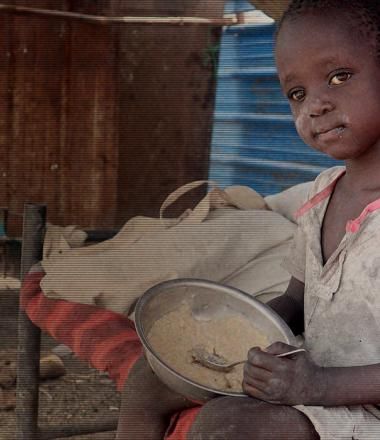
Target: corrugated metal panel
{"x": 254, "y": 140}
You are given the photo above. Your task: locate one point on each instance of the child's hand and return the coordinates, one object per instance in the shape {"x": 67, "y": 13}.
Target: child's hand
{"x": 293, "y": 380}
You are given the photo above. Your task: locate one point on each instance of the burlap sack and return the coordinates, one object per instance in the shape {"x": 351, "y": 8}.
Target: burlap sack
{"x": 228, "y": 231}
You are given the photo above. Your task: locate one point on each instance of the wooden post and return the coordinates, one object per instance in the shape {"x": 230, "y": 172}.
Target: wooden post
{"x": 28, "y": 333}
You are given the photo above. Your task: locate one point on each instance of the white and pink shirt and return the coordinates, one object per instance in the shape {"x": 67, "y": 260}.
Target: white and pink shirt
{"x": 342, "y": 296}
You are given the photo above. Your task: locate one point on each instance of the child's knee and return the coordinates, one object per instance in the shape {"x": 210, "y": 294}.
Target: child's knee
{"x": 231, "y": 418}
{"x": 220, "y": 418}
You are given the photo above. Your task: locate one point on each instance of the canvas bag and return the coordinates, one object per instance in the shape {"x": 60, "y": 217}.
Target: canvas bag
{"x": 227, "y": 231}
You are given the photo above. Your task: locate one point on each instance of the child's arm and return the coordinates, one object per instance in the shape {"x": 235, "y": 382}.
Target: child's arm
{"x": 290, "y": 305}
{"x": 299, "y": 381}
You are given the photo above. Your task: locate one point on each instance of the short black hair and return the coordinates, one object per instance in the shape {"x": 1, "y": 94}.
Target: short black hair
{"x": 362, "y": 15}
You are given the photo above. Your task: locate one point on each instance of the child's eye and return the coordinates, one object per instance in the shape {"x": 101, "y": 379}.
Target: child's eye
{"x": 296, "y": 95}
{"x": 339, "y": 78}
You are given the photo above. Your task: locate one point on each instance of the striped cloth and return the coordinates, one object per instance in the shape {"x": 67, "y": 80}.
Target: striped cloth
{"x": 106, "y": 340}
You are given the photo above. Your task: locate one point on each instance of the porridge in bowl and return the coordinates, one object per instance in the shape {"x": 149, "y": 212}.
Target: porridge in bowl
{"x": 176, "y": 334}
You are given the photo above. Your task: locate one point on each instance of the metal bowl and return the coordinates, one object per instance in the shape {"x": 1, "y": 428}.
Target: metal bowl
{"x": 203, "y": 297}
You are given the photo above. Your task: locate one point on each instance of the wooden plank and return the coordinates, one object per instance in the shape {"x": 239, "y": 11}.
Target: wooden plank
{"x": 100, "y": 123}
{"x": 166, "y": 105}
{"x": 36, "y": 77}
{"x": 145, "y": 7}
{"x": 62, "y": 148}
{"x": 90, "y": 152}
{"x": 6, "y": 89}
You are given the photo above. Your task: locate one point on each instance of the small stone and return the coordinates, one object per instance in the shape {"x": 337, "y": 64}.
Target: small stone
{"x": 106, "y": 381}
{"x": 8, "y": 374}
{"x": 62, "y": 351}
{"x": 7, "y": 399}
{"x": 51, "y": 367}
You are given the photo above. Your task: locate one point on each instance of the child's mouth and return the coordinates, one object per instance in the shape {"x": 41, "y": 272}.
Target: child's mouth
{"x": 332, "y": 133}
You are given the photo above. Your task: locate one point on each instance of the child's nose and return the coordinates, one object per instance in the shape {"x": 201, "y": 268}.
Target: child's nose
{"x": 319, "y": 106}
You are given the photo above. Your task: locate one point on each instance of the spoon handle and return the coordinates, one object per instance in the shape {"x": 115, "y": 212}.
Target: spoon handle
{"x": 288, "y": 353}
{"x": 230, "y": 366}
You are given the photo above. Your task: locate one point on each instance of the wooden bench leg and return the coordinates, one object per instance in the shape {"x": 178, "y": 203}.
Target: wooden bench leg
{"x": 29, "y": 335}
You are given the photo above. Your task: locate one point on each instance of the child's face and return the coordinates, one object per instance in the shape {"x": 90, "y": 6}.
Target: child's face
{"x": 332, "y": 80}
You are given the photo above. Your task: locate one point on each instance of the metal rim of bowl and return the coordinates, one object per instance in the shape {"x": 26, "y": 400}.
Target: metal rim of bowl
{"x": 196, "y": 282}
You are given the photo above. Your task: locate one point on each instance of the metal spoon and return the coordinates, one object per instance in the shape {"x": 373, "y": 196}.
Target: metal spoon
{"x": 219, "y": 363}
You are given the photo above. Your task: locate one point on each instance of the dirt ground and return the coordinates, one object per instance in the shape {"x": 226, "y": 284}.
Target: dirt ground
{"x": 81, "y": 395}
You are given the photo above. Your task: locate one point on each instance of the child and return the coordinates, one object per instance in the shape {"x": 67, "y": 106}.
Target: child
{"x": 328, "y": 59}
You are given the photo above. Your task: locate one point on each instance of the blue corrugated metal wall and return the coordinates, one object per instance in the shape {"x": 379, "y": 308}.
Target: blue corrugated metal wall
{"x": 254, "y": 141}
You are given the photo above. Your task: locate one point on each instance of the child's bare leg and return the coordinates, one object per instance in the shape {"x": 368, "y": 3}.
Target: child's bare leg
{"x": 231, "y": 418}
{"x": 147, "y": 405}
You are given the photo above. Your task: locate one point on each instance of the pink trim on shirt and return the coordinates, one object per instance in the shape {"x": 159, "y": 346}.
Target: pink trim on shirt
{"x": 318, "y": 197}
{"x": 354, "y": 225}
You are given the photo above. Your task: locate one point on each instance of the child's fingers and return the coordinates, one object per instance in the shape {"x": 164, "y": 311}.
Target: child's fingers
{"x": 279, "y": 348}
{"x": 255, "y": 383}
{"x": 260, "y": 385}
{"x": 261, "y": 359}
{"x": 253, "y": 372}
{"x": 255, "y": 390}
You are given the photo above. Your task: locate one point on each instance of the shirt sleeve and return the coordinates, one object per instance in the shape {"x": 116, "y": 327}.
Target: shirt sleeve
{"x": 106, "y": 340}
{"x": 295, "y": 261}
